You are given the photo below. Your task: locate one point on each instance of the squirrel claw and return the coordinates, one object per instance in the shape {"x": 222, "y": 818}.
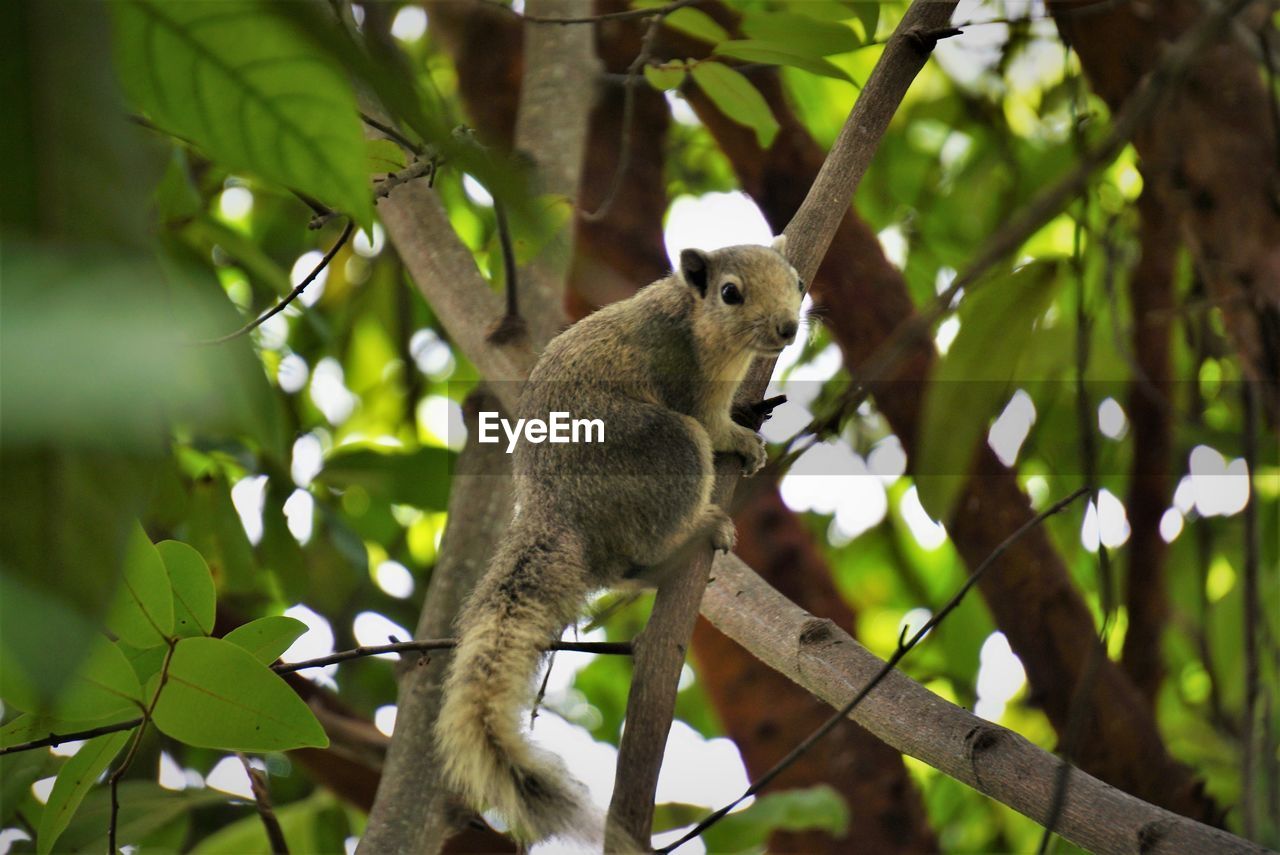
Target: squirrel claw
{"x": 754, "y": 455}
{"x": 724, "y": 536}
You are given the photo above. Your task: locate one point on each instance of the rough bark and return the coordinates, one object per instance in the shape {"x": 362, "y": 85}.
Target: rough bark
{"x": 998, "y": 762}
{"x": 1150, "y": 414}
{"x": 1211, "y": 154}
{"x": 1029, "y": 592}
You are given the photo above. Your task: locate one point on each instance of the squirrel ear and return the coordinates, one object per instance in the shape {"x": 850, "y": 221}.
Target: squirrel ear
{"x": 779, "y": 244}
{"x": 693, "y": 268}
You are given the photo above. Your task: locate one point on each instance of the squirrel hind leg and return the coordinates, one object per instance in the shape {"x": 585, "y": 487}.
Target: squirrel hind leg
{"x": 711, "y": 528}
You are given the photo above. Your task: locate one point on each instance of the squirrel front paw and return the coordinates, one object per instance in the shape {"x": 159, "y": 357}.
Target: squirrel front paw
{"x": 724, "y": 534}
{"x": 750, "y": 445}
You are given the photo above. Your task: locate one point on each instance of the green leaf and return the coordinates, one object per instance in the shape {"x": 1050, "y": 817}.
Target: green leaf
{"x": 664, "y": 78}
{"x": 972, "y": 380}
{"x": 145, "y": 809}
{"x": 800, "y": 33}
{"x": 17, "y": 773}
{"x": 142, "y": 612}
{"x": 194, "y": 599}
{"x": 868, "y": 12}
{"x": 77, "y": 776}
{"x": 145, "y": 663}
{"x": 773, "y": 54}
{"x": 103, "y": 685}
{"x": 245, "y": 86}
{"x": 737, "y": 98}
{"x": 419, "y": 478}
{"x": 266, "y": 638}
{"x": 384, "y": 156}
{"x": 696, "y": 23}
{"x": 314, "y": 825}
{"x": 218, "y": 696}
{"x": 815, "y": 808}
{"x": 824, "y": 10}
{"x": 216, "y": 533}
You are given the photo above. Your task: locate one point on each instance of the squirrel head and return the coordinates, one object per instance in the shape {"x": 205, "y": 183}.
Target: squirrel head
{"x": 750, "y": 294}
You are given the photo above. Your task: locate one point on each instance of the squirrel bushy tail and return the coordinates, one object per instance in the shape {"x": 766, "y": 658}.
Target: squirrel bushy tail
{"x": 534, "y": 587}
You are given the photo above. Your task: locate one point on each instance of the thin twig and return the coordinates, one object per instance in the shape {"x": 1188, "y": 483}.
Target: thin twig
{"x": 418, "y": 169}
{"x": 292, "y": 295}
{"x": 625, "y": 15}
{"x": 628, "y": 119}
{"x": 113, "y": 784}
{"x": 511, "y": 326}
{"x": 904, "y": 647}
{"x": 56, "y": 739}
{"x": 392, "y": 134}
{"x": 542, "y": 689}
{"x": 608, "y": 648}
{"x": 262, "y": 798}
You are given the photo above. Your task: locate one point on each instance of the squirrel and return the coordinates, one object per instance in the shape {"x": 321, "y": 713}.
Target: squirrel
{"x": 661, "y": 370}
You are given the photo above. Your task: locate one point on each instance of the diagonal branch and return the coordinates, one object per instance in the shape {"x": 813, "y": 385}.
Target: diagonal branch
{"x": 824, "y": 659}
{"x": 905, "y": 646}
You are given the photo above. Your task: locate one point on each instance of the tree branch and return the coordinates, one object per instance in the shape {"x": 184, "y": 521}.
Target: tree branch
{"x": 905, "y": 646}
{"x": 609, "y": 648}
{"x": 660, "y": 648}
{"x": 810, "y": 231}
{"x": 445, "y": 274}
{"x": 262, "y": 800}
{"x": 292, "y": 295}
{"x": 1151, "y": 297}
{"x": 993, "y": 760}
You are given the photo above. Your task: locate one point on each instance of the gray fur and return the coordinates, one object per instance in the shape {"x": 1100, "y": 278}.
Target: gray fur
{"x": 661, "y": 370}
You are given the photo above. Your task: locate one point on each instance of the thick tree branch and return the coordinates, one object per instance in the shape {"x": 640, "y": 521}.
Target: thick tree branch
{"x": 811, "y": 229}
{"x": 660, "y": 648}
{"x": 1151, "y": 297}
{"x": 997, "y": 762}
{"x": 884, "y": 804}
{"x": 905, "y": 646}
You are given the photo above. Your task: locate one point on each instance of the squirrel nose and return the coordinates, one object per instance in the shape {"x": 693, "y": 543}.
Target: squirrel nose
{"x": 787, "y": 330}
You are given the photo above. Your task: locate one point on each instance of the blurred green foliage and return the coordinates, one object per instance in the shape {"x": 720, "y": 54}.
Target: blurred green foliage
{"x": 167, "y": 203}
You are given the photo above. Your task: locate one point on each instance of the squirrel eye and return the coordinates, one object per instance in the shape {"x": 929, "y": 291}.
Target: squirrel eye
{"x": 801, "y": 283}
{"x": 730, "y": 294}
